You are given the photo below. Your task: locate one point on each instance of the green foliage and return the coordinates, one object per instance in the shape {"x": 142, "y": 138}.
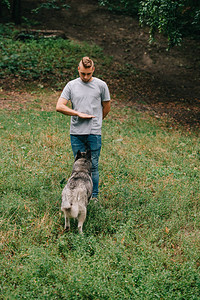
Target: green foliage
{"x": 14, "y": 9}
{"x": 141, "y": 241}
{"x": 123, "y": 6}
{"x": 6, "y": 3}
{"x": 6, "y": 31}
{"x": 51, "y": 4}
{"x": 46, "y": 60}
{"x": 172, "y": 18}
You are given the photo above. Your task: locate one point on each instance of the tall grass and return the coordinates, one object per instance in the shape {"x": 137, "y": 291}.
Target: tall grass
{"x": 141, "y": 241}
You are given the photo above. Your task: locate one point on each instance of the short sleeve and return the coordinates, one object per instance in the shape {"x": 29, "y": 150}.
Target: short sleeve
{"x": 105, "y": 94}
{"x": 66, "y": 93}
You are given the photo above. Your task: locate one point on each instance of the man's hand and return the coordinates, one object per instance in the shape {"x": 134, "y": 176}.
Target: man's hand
{"x": 84, "y": 116}
{"x": 64, "y": 109}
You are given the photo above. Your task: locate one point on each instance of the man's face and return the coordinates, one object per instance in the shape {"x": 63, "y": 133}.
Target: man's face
{"x": 85, "y": 73}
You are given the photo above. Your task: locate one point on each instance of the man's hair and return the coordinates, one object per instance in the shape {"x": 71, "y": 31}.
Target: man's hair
{"x": 87, "y": 62}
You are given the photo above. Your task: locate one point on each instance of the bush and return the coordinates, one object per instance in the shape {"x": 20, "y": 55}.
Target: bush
{"x": 122, "y": 6}
{"x": 174, "y": 19}
{"x": 43, "y": 59}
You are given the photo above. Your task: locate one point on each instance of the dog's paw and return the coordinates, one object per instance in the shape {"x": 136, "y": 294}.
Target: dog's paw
{"x": 67, "y": 229}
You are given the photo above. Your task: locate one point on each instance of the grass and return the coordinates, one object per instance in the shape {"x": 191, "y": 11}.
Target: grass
{"x": 141, "y": 241}
{"x": 48, "y": 61}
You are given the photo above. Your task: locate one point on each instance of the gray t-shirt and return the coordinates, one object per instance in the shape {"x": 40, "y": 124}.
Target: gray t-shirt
{"x": 86, "y": 98}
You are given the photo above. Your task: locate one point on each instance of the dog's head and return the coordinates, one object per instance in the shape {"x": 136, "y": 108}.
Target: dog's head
{"x": 86, "y": 155}
{"x": 83, "y": 162}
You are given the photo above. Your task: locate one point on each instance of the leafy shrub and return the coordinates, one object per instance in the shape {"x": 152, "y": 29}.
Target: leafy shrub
{"x": 51, "y": 4}
{"x": 43, "y": 59}
{"x": 123, "y": 6}
{"x": 6, "y": 3}
{"x": 174, "y": 19}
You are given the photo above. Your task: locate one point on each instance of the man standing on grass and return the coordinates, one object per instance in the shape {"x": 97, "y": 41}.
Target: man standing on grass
{"x": 90, "y": 100}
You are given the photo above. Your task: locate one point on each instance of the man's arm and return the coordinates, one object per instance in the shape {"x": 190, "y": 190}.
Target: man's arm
{"x": 64, "y": 109}
{"x": 106, "y": 108}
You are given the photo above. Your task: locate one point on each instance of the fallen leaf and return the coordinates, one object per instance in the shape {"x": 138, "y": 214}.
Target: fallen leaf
{"x": 167, "y": 230}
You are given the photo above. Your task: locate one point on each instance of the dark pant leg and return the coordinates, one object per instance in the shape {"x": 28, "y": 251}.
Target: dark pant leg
{"x": 94, "y": 144}
{"x": 78, "y": 143}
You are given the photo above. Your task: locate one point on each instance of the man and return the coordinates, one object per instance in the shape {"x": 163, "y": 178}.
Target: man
{"x": 90, "y": 100}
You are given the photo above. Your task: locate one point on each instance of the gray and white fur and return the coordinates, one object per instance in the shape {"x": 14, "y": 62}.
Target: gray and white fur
{"x": 78, "y": 190}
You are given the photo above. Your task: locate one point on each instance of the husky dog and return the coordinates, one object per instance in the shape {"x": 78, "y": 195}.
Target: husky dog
{"x": 78, "y": 190}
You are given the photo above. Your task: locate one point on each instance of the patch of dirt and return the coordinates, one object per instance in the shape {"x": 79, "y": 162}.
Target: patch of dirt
{"x": 168, "y": 81}
{"x": 42, "y": 101}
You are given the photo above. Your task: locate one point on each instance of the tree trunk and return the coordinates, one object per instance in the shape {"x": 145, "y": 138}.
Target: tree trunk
{"x": 16, "y": 12}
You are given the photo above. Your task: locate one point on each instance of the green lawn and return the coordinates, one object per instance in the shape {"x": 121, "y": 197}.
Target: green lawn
{"x": 141, "y": 241}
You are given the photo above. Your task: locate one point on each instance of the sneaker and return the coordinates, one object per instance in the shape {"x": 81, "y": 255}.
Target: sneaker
{"x": 95, "y": 199}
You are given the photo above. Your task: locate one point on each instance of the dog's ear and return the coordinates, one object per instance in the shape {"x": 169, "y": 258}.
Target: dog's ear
{"x": 88, "y": 154}
{"x": 78, "y": 155}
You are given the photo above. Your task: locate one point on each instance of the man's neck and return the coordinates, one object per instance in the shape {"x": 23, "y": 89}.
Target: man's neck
{"x": 87, "y": 81}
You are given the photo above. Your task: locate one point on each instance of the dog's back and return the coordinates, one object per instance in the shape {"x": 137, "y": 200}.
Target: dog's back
{"x": 78, "y": 190}
{"x": 76, "y": 193}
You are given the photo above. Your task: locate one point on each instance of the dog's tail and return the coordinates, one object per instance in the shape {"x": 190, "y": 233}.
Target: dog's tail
{"x": 70, "y": 209}
{"x": 66, "y": 200}
{"x": 66, "y": 205}
{"x": 69, "y": 205}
